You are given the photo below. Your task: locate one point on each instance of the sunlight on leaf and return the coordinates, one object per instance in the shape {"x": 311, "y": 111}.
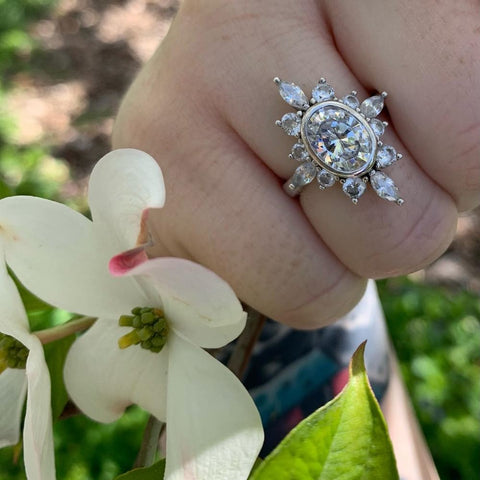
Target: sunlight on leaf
{"x": 346, "y": 439}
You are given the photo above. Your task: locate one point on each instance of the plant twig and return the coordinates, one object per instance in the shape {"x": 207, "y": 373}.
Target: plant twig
{"x": 242, "y": 352}
{"x": 149, "y": 447}
{"x": 60, "y": 331}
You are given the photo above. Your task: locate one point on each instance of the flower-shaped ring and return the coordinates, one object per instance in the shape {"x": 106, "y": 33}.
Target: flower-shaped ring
{"x": 337, "y": 140}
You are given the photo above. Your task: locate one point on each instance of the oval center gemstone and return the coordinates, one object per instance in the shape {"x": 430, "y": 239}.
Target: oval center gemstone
{"x": 339, "y": 139}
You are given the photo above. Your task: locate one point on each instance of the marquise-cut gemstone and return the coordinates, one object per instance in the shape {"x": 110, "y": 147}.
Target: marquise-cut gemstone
{"x": 384, "y": 186}
{"x": 341, "y": 141}
{"x": 293, "y": 95}
{"x": 291, "y": 124}
{"x": 323, "y": 92}
{"x": 304, "y": 174}
{"x": 354, "y": 187}
{"x": 386, "y": 155}
{"x": 372, "y": 106}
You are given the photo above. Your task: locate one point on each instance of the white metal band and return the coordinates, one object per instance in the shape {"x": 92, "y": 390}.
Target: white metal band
{"x": 291, "y": 188}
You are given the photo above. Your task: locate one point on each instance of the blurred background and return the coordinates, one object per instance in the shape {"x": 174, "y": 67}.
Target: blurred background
{"x": 64, "y": 67}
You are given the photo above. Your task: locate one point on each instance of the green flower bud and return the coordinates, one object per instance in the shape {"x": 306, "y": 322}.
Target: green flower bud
{"x": 150, "y": 329}
{"x": 148, "y": 318}
{"x": 145, "y": 333}
{"x": 126, "y": 321}
{"x": 13, "y": 354}
{"x": 137, "y": 322}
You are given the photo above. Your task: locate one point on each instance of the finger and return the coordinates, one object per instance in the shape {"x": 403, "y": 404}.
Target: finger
{"x": 226, "y": 210}
{"x": 399, "y": 241}
{"x": 427, "y": 53}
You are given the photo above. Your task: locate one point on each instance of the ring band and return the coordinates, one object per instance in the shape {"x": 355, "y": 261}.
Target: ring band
{"x": 338, "y": 140}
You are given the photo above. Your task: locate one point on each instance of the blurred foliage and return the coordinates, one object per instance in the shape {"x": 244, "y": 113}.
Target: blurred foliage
{"x": 15, "y": 42}
{"x": 436, "y": 334}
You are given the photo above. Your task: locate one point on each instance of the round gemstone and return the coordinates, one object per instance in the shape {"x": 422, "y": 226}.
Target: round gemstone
{"x": 322, "y": 92}
{"x": 291, "y": 124}
{"x": 325, "y": 178}
{"x": 351, "y": 101}
{"x": 299, "y": 153}
{"x": 341, "y": 141}
{"x": 354, "y": 187}
{"x": 386, "y": 155}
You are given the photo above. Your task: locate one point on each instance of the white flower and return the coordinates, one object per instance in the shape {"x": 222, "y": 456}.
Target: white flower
{"x": 33, "y": 380}
{"x": 213, "y": 428}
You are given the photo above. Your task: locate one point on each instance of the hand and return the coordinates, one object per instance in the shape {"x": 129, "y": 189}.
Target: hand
{"x": 205, "y": 107}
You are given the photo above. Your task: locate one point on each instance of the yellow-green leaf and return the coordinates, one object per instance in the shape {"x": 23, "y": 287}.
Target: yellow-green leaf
{"x": 346, "y": 439}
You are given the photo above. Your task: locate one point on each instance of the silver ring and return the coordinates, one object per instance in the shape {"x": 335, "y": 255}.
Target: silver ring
{"x": 338, "y": 140}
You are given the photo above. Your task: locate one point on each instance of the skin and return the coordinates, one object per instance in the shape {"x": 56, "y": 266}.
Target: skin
{"x": 205, "y": 105}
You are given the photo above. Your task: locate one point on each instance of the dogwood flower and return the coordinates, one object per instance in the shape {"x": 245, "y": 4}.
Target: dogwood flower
{"x": 23, "y": 371}
{"x": 154, "y": 318}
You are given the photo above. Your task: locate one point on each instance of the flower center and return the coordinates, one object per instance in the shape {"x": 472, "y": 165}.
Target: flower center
{"x": 150, "y": 329}
{"x": 13, "y": 354}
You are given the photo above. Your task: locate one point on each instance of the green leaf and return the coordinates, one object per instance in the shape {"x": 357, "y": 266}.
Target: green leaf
{"x": 346, "y": 439}
{"x": 154, "y": 472}
{"x": 55, "y": 354}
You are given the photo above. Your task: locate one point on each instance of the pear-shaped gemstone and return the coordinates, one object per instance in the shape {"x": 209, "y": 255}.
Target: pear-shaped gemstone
{"x": 293, "y": 95}
{"x": 377, "y": 126}
{"x": 386, "y": 155}
{"x": 351, "y": 101}
{"x": 291, "y": 124}
{"x": 354, "y": 187}
{"x": 372, "y": 106}
{"x": 304, "y": 174}
{"x": 384, "y": 186}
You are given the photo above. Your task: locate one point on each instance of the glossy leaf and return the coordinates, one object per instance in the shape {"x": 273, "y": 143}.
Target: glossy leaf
{"x": 346, "y": 439}
{"x": 154, "y": 472}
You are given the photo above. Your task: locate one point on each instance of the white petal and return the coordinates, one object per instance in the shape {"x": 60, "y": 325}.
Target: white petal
{"x": 122, "y": 185}
{"x": 103, "y": 380}
{"x": 198, "y": 304}
{"x": 13, "y": 319}
{"x": 13, "y": 388}
{"x": 37, "y": 431}
{"x": 214, "y": 431}
{"x": 56, "y": 254}
{"x": 13, "y": 382}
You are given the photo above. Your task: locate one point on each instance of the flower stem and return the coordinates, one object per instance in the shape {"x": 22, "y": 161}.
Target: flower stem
{"x": 55, "y": 333}
{"x": 151, "y": 436}
{"x": 242, "y": 352}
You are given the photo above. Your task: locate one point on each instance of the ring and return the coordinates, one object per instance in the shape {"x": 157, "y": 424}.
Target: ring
{"x": 337, "y": 140}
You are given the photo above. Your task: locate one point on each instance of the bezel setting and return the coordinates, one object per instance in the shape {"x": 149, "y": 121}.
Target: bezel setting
{"x": 340, "y": 140}
{"x": 336, "y": 112}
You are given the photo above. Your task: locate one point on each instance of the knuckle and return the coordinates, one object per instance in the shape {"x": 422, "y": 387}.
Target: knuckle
{"x": 326, "y": 306}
